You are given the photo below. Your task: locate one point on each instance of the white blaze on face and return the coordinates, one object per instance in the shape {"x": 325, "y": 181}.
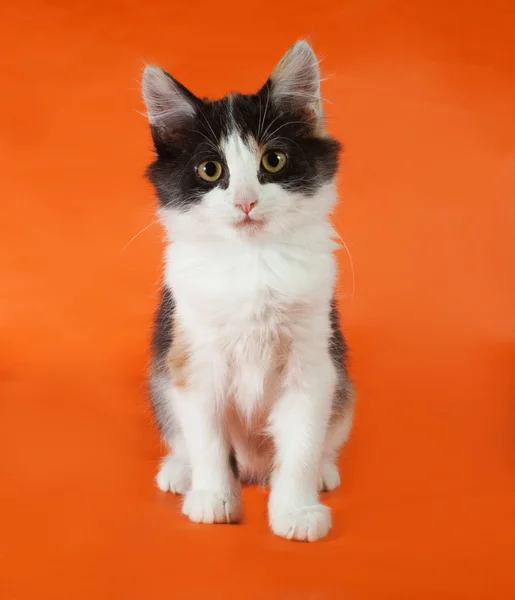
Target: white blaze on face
{"x": 243, "y": 163}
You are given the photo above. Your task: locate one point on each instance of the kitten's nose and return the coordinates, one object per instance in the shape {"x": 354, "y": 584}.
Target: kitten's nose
{"x": 245, "y": 204}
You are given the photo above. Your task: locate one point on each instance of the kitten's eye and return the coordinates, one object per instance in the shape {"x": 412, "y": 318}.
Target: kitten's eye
{"x": 210, "y": 170}
{"x": 274, "y": 161}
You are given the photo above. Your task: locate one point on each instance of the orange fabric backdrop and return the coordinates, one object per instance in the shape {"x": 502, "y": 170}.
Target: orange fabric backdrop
{"x": 422, "y": 94}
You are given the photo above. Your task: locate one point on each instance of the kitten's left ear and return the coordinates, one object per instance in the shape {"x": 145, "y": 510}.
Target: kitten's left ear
{"x": 295, "y": 81}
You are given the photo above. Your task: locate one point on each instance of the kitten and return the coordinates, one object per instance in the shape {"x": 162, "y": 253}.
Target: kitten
{"x": 248, "y": 379}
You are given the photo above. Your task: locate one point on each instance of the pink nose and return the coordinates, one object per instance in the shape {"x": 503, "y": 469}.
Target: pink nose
{"x": 245, "y": 205}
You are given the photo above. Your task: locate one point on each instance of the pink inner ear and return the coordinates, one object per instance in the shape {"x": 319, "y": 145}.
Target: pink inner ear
{"x": 167, "y": 106}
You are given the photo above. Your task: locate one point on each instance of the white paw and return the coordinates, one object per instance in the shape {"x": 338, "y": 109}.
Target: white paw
{"x": 205, "y": 506}
{"x": 174, "y": 475}
{"x": 329, "y": 477}
{"x": 305, "y": 524}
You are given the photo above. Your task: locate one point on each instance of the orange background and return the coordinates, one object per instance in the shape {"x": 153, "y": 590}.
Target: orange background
{"x": 422, "y": 93}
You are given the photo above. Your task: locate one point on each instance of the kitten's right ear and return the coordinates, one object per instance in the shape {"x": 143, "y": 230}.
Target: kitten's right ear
{"x": 170, "y": 106}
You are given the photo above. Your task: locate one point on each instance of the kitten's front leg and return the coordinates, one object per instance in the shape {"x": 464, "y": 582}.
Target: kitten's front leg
{"x": 298, "y": 424}
{"x": 214, "y": 496}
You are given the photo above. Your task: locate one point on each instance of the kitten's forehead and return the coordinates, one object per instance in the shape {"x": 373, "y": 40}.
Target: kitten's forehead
{"x": 242, "y": 155}
{"x": 236, "y": 121}
{"x": 240, "y": 146}
{"x": 234, "y": 112}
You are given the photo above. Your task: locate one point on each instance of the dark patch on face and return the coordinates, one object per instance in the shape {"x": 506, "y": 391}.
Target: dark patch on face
{"x": 178, "y": 154}
{"x": 312, "y": 159}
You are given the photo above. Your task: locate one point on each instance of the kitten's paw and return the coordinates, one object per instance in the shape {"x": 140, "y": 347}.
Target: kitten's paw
{"x": 329, "y": 477}
{"x": 174, "y": 475}
{"x": 306, "y": 524}
{"x": 205, "y": 506}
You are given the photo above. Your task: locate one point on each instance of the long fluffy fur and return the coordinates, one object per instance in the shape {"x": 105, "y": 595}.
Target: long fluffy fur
{"x": 248, "y": 377}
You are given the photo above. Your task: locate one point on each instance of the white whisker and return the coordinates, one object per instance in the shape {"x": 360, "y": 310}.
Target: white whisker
{"x": 215, "y": 141}
{"x": 262, "y": 123}
{"x": 138, "y": 234}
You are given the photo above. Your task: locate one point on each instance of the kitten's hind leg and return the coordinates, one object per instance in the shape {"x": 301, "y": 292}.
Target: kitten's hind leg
{"x": 337, "y": 435}
{"x": 175, "y": 471}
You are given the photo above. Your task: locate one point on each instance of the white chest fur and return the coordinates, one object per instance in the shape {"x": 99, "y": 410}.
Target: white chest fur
{"x": 237, "y": 303}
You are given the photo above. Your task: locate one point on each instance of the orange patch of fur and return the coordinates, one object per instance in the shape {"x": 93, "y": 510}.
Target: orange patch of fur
{"x": 178, "y": 356}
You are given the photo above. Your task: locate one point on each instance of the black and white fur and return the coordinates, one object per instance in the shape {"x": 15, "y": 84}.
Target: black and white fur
{"x": 248, "y": 378}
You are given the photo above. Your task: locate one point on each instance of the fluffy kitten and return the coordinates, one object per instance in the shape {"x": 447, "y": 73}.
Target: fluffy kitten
{"x": 248, "y": 379}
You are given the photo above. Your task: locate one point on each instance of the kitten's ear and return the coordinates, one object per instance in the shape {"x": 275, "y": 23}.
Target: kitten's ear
{"x": 170, "y": 106}
{"x": 295, "y": 81}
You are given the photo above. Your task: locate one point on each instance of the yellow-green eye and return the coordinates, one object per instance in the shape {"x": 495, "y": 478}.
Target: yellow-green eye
{"x": 273, "y": 161}
{"x": 210, "y": 170}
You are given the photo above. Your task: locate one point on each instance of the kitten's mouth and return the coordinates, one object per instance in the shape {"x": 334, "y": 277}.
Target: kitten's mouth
{"x": 249, "y": 222}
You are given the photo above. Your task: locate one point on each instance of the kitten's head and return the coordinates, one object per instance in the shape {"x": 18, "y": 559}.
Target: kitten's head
{"x": 246, "y": 166}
